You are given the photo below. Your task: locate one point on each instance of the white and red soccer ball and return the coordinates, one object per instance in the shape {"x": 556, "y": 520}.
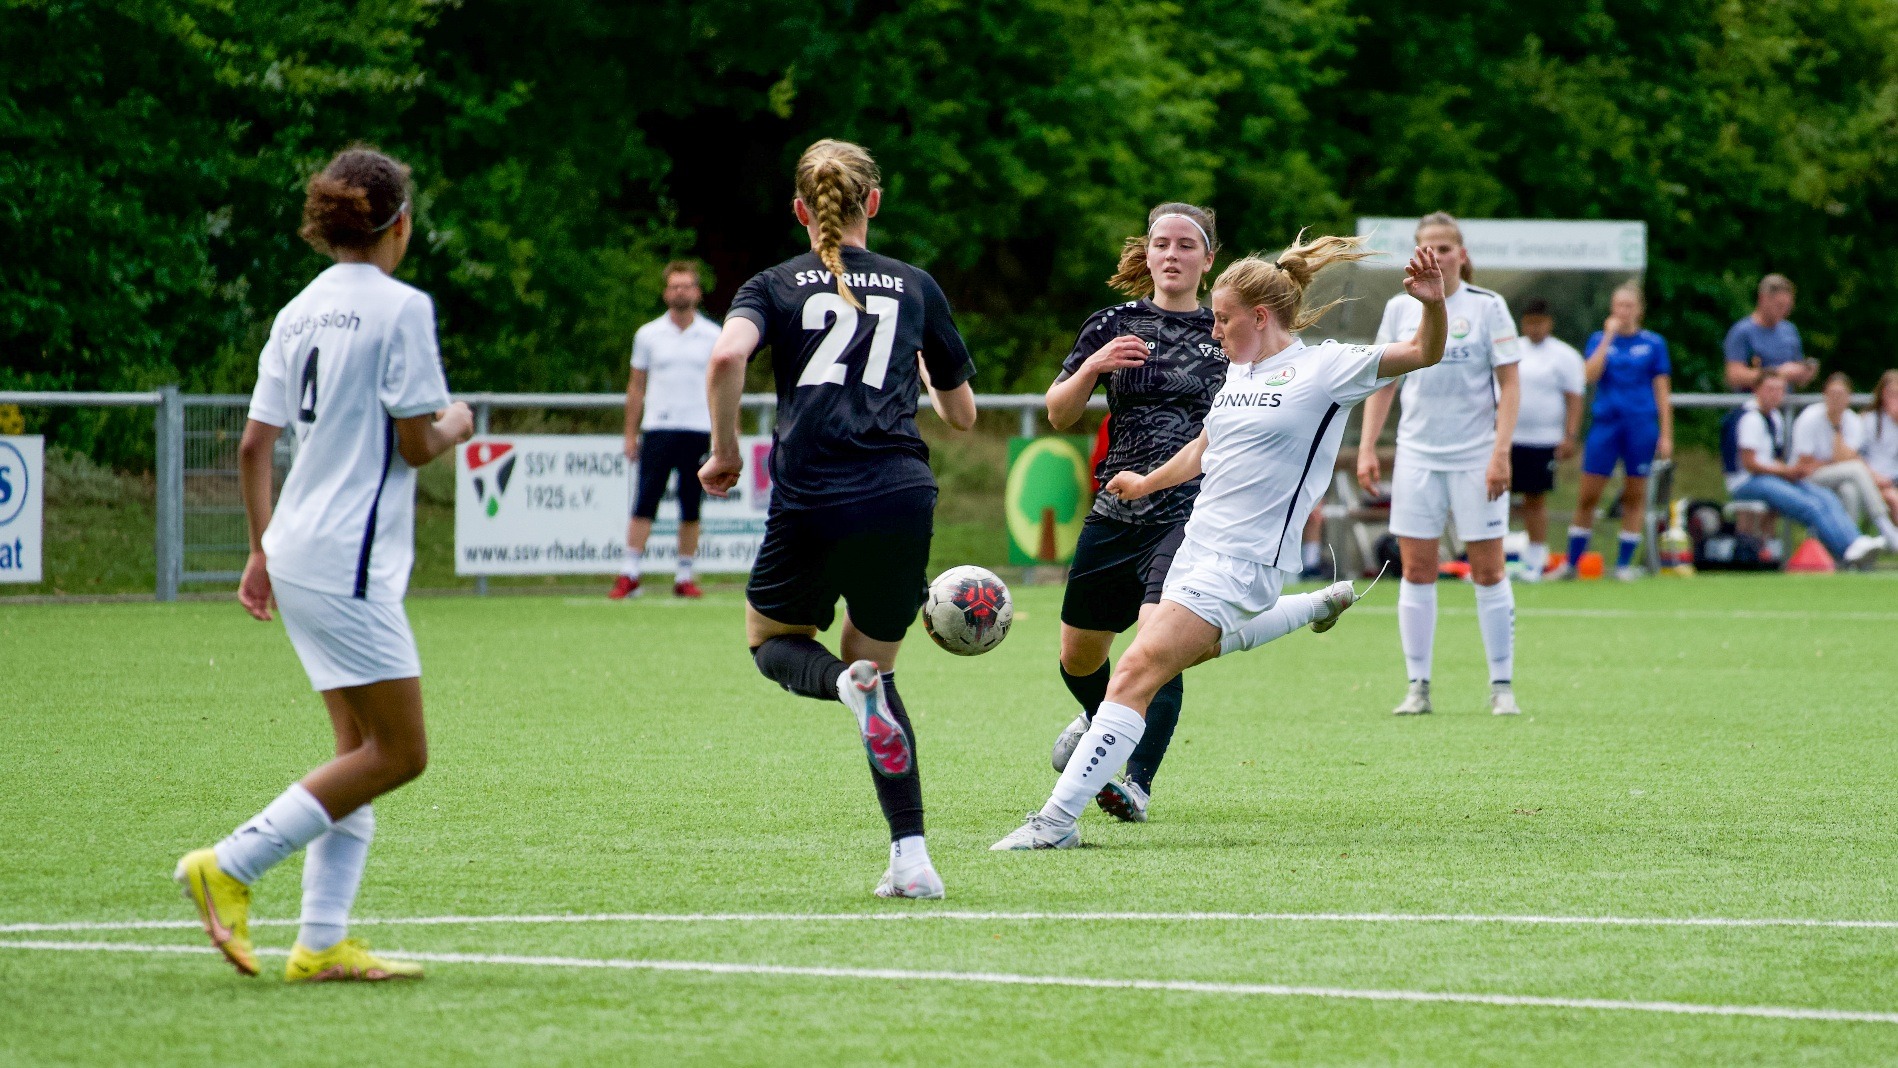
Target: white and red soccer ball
{"x": 968, "y": 610}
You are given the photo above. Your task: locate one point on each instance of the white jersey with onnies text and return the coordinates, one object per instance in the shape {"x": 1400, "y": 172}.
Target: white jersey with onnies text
{"x": 1449, "y": 417}
{"x": 1551, "y": 372}
{"x": 1272, "y": 438}
{"x": 351, "y": 354}
{"x": 675, "y": 362}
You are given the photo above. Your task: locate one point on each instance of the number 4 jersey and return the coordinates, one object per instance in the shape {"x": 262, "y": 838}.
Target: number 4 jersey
{"x": 352, "y": 353}
{"x": 847, "y": 379}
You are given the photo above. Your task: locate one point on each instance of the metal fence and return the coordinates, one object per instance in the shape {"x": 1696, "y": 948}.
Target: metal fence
{"x": 200, "y": 532}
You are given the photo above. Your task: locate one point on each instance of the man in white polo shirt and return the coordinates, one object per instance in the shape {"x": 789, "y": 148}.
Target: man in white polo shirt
{"x": 669, "y": 424}
{"x": 1554, "y": 381}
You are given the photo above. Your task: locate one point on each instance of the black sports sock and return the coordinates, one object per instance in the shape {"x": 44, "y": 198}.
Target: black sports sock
{"x": 1091, "y": 689}
{"x": 800, "y": 665}
{"x": 901, "y": 797}
{"x": 1163, "y": 714}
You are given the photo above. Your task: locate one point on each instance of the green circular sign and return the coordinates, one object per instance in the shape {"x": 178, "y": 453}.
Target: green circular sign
{"x": 1048, "y": 476}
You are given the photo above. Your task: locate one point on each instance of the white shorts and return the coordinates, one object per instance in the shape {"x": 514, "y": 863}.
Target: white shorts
{"x": 1423, "y": 500}
{"x": 1222, "y": 590}
{"x": 343, "y": 641}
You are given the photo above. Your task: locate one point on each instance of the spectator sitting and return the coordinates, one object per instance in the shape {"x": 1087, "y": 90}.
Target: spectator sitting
{"x": 1834, "y": 435}
{"x": 1758, "y": 474}
{"x": 1881, "y": 429}
{"x": 1766, "y": 342}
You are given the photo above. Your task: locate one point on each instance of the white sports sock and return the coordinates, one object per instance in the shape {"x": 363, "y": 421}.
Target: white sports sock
{"x": 908, "y": 856}
{"x": 285, "y": 825}
{"x": 683, "y": 573}
{"x": 332, "y": 872}
{"x": 1417, "y": 626}
{"x": 1496, "y": 617}
{"x": 1106, "y": 746}
{"x": 1536, "y": 559}
{"x": 630, "y": 566}
{"x": 1314, "y": 555}
{"x": 1290, "y": 613}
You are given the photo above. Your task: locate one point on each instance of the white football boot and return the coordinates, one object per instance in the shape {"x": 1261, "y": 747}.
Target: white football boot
{"x": 1565, "y": 573}
{"x": 1502, "y": 700}
{"x": 1069, "y": 741}
{"x": 1040, "y": 832}
{"x": 1124, "y": 800}
{"x": 1630, "y": 573}
{"x": 861, "y": 691}
{"x": 1336, "y": 597}
{"x": 1863, "y": 546}
{"x": 922, "y": 885}
{"x": 1416, "y": 700}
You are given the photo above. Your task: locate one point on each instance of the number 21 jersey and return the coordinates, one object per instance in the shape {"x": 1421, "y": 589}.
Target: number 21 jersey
{"x": 846, "y": 379}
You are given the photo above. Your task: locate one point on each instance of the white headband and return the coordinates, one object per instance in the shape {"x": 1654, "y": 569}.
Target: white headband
{"x": 400, "y": 208}
{"x": 1176, "y": 215}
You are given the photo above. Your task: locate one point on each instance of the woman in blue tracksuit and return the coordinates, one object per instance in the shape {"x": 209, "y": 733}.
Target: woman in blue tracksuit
{"x": 1633, "y": 425}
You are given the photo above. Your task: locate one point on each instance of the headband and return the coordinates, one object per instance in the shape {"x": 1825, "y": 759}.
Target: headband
{"x": 400, "y": 208}
{"x": 1176, "y": 215}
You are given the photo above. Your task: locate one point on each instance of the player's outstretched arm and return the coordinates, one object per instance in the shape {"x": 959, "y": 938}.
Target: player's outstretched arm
{"x": 1184, "y": 465}
{"x": 725, "y": 391}
{"x": 1423, "y": 279}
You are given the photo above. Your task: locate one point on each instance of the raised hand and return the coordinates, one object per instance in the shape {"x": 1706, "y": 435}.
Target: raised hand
{"x": 1423, "y": 276}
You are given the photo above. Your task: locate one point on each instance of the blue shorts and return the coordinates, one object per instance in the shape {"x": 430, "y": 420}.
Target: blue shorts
{"x": 1627, "y": 441}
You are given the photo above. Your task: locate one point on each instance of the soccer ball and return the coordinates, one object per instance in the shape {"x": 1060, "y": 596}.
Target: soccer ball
{"x": 968, "y": 610}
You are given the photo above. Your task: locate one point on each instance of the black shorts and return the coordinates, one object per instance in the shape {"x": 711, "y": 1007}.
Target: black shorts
{"x": 661, "y": 452}
{"x": 872, "y": 553}
{"x": 1531, "y": 468}
{"x": 1118, "y": 567}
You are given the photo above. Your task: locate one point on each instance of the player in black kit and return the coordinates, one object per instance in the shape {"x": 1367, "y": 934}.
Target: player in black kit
{"x": 853, "y": 336}
{"x": 1161, "y": 366}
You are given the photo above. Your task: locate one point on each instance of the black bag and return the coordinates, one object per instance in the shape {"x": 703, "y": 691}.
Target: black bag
{"x": 1733, "y": 552}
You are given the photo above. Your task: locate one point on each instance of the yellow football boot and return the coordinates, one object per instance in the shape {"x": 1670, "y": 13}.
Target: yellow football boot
{"x": 223, "y": 906}
{"x": 348, "y": 961}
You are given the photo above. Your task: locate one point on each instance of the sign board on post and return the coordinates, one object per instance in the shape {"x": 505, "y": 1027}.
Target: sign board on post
{"x": 22, "y": 507}
{"x": 557, "y": 504}
{"x": 1048, "y": 495}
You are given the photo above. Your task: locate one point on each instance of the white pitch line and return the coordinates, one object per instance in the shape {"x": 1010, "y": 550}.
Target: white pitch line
{"x": 1179, "y": 986}
{"x": 1035, "y": 917}
{"x": 1787, "y": 615}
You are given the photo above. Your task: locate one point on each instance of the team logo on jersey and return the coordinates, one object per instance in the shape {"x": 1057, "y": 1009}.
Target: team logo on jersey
{"x": 493, "y": 468}
{"x": 1459, "y": 327}
{"x": 1281, "y": 376}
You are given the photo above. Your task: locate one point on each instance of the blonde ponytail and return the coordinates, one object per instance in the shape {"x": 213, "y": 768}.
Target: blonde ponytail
{"x": 1280, "y": 285}
{"x": 834, "y": 180}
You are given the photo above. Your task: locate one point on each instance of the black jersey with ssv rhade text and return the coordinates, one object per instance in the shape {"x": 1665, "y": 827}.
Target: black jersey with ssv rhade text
{"x": 846, "y": 379}
{"x": 1156, "y": 408}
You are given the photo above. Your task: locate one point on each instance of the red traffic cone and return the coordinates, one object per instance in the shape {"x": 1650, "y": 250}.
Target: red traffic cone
{"x": 1811, "y": 558}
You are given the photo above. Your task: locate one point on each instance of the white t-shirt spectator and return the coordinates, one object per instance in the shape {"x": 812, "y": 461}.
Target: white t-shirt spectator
{"x": 1813, "y": 433}
{"x": 351, "y": 354}
{"x": 1449, "y": 417}
{"x": 675, "y": 362}
{"x": 1881, "y": 443}
{"x": 1552, "y": 372}
{"x": 1756, "y": 433}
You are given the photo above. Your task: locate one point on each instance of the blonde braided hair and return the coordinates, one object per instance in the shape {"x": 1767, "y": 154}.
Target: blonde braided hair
{"x": 834, "y": 180}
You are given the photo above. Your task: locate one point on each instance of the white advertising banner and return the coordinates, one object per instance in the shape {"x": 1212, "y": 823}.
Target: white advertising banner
{"x": 557, "y": 504}
{"x": 1522, "y": 244}
{"x": 22, "y": 507}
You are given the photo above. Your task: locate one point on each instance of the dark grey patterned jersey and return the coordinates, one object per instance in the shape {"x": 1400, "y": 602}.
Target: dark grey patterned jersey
{"x": 1156, "y": 408}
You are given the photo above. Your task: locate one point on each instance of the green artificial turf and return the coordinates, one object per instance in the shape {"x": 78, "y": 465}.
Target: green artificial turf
{"x": 1715, "y": 747}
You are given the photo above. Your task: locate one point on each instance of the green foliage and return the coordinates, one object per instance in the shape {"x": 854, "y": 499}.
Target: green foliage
{"x": 154, "y": 151}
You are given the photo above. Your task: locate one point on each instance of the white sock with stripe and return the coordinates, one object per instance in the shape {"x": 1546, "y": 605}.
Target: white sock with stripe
{"x": 332, "y": 873}
{"x": 1104, "y": 750}
{"x": 1417, "y": 626}
{"x": 289, "y": 823}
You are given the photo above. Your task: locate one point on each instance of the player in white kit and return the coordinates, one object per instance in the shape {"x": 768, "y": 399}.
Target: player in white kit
{"x": 352, "y": 368}
{"x": 1266, "y": 451}
{"x": 1452, "y": 463}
